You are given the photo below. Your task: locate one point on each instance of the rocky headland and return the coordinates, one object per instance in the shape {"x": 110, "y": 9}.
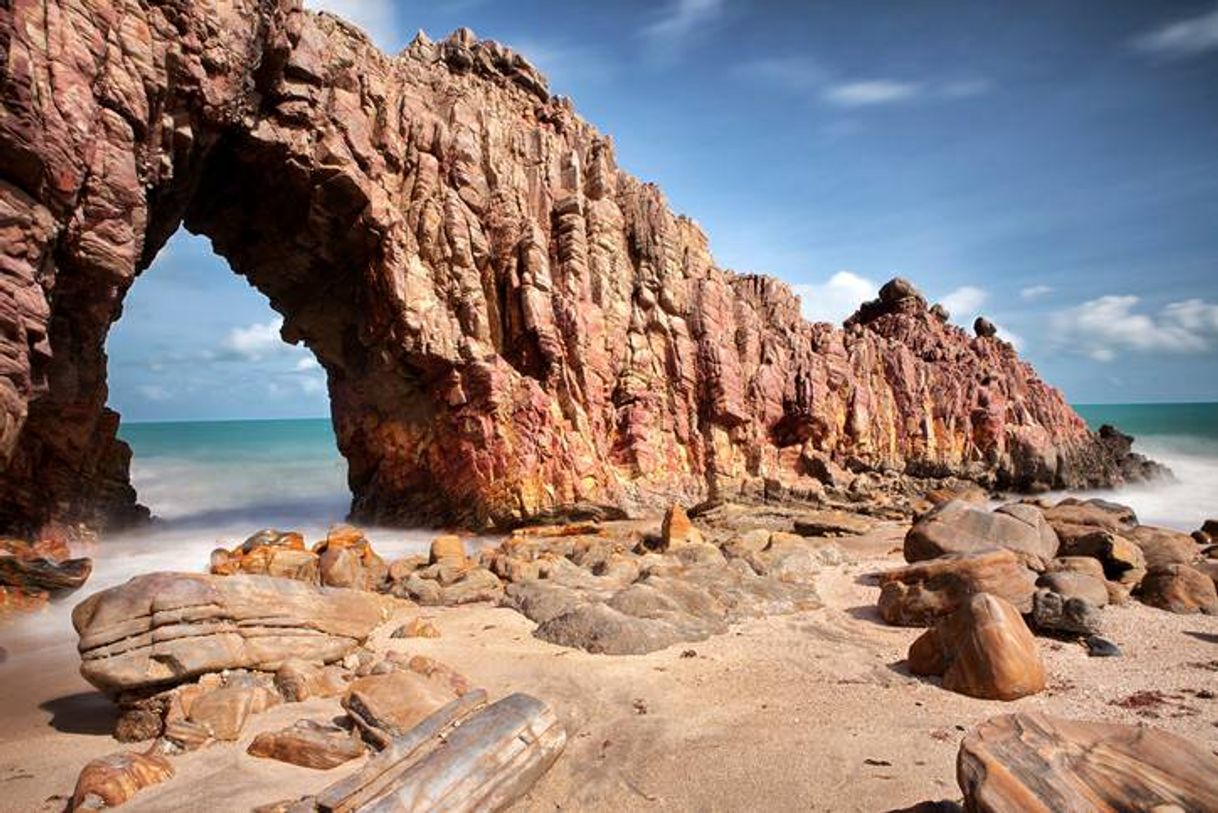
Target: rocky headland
{"x": 512, "y": 327}
{"x": 740, "y": 561}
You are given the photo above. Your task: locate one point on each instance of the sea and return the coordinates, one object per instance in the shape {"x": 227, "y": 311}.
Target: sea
{"x": 213, "y": 483}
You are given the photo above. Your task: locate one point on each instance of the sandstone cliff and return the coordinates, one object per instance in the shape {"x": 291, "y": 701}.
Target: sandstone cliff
{"x": 510, "y": 324}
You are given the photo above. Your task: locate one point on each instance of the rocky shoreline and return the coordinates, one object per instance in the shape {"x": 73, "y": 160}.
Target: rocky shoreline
{"x": 206, "y": 667}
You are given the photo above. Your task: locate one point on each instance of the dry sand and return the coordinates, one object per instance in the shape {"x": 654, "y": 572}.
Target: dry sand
{"x": 813, "y": 711}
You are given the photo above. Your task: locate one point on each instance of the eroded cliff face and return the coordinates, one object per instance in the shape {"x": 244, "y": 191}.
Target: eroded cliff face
{"x": 510, "y": 324}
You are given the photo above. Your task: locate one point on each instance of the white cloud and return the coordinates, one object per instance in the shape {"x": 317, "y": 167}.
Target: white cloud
{"x": 871, "y": 92}
{"x": 155, "y": 392}
{"x": 306, "y": 364}
{"x": 681, "y": 20}
{"x": 1035, "y": 291}
{"x": 1102, "y": 328}
{"x": 1009, "y": 336}
{"x": 378, "y": 18}
{"x": 1185, "y": 37}
{"x": 965, "y": 301}
{"x": 253, "y": 343}
{"x": 834, "y": 300}
{"x": 311, "y": 385}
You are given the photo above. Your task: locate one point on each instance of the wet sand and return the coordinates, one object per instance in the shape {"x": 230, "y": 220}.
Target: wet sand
{"x": 812, "y": 711}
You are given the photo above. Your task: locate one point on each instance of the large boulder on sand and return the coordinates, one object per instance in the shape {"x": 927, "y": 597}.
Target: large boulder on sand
{"x": 1033, "y": 763}
{"x": 984, "y": 649}
{"x": 1179, "y": 589}
{"x": 961, "y": 527}
{"x": 921, "y": 594}
{"x": 165, "y": 628}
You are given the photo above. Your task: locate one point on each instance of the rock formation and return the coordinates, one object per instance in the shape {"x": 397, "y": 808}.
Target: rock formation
{"x": 510, "y": 325}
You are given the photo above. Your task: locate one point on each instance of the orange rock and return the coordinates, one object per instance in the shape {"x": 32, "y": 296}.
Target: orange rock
{"x": 111, "y": 780}
{"x": 448, "y": 547}
{"x": 309, "y": 744}
{"x": 677, "y": 530}
{"x": 983, "y": 650}
{"x": 390, "y": 705}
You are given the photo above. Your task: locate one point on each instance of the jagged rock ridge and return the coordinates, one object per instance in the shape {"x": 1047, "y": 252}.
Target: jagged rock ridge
{"x": 510, "y": 325}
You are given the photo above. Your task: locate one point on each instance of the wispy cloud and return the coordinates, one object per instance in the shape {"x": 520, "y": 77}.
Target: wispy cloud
{"x": 1180, "y": 38}
{"x": 253, "y": 343}
{"x": 1035, "y": 292}
{"x": 869, "y": 92}
{"x": 678, "y": 23}
{"x": 798, "y": 74}
{"x": 1104, "y": 327}
{"x": 562, "y": 63}
{"x": 836, "y": 298}
{"x": 965, "y": 301}
{"x": 154, "y": 392}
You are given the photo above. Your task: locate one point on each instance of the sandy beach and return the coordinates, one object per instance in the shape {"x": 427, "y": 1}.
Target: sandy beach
{"x": 810, "y": 711}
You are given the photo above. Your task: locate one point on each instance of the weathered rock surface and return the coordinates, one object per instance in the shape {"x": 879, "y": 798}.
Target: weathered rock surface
{"x": 923, "y": 593}
{"x": 1054, "y": 612}
{"x": 961, "y": 527}
{"x": 1179, "y": 589}
{"x": 110, "y": 781}
{"x": 510, "y": 325}
{"x": 165, "y": 628}
{"x": 984, "y": 649}
{"x": 1033, "y": 763}
{"x": 309, "y": 744}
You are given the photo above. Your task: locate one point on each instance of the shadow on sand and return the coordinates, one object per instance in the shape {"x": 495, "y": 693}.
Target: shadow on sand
{"x": 82, "y": 713}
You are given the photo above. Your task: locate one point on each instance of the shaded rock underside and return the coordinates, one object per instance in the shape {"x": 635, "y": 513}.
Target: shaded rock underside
{"x": 510, "y": 325}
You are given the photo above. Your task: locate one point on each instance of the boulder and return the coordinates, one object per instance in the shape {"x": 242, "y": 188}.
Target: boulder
{"x": 961, "y": 527}
{"x": 921, "y": 594}
{"x": 1053, "y": 612}
{"x": 416, "y": 628}
{"x": 1034, "y": 763}
{"x": 346, "y": 559}
{"x": 984, "y": 649}
{"x": 1162, "y": 546}
{"x": 389, "y": 705}
{"x": 1082, "y": 586}
{"x": 1072, "y": 517}
{"x": 984, "y": 328}
{"x": 677, "y": 530}
{"x": 1179, "y": 589}
{"x": 165, "y": 628}
{"x": 225, "y": 711}
{"x": 268, "y": 552}
{"x": 33, "y": 574}
{"x": 298, "y": 680}
{"x": 309, "y": 744}
{"x": 447, "y": 547}
{"x": 1122, "y": 561}
{"x": 110, "y": 781}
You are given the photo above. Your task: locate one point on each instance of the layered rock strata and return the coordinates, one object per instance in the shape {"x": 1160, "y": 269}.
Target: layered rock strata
{"x": 510, "y": 325}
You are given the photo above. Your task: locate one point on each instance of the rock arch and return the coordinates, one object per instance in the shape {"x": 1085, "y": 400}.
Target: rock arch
{"x": 509, "y": 324}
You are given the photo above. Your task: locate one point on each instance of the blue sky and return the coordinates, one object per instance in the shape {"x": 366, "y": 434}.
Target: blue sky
{"x": 1052, "y": 165}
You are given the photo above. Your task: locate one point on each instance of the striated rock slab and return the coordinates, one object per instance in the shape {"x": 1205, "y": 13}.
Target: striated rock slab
{"x": 309, "y": 744}
{"x": 923, "y": 593}
{"x": 111, "y": 780}
{"x": 165, "y": 628}
{"x": 1034, "y": 763}
{"x": 512, "y": 327}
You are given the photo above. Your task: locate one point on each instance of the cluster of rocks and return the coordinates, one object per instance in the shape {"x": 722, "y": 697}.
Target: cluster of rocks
{"x": 617, "y": 587}
{"x": 979, "y": 577}
{"x": 191, "y": 659}
{"x": 31, "y": 572}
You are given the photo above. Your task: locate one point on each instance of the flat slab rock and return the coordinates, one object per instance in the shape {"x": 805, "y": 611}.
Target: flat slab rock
{"x": 165, "y": 628}
{"x": 1033, "y": 763}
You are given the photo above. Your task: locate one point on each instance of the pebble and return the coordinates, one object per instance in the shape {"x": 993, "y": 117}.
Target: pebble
{"x": 1100, "y": 647}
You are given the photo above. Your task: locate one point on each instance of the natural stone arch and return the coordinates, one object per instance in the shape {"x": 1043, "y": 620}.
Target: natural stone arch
{"x": 510, "y": 325}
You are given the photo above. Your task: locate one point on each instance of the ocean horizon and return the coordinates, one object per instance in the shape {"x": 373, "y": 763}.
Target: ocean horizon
{"x": 207, "y": 474}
